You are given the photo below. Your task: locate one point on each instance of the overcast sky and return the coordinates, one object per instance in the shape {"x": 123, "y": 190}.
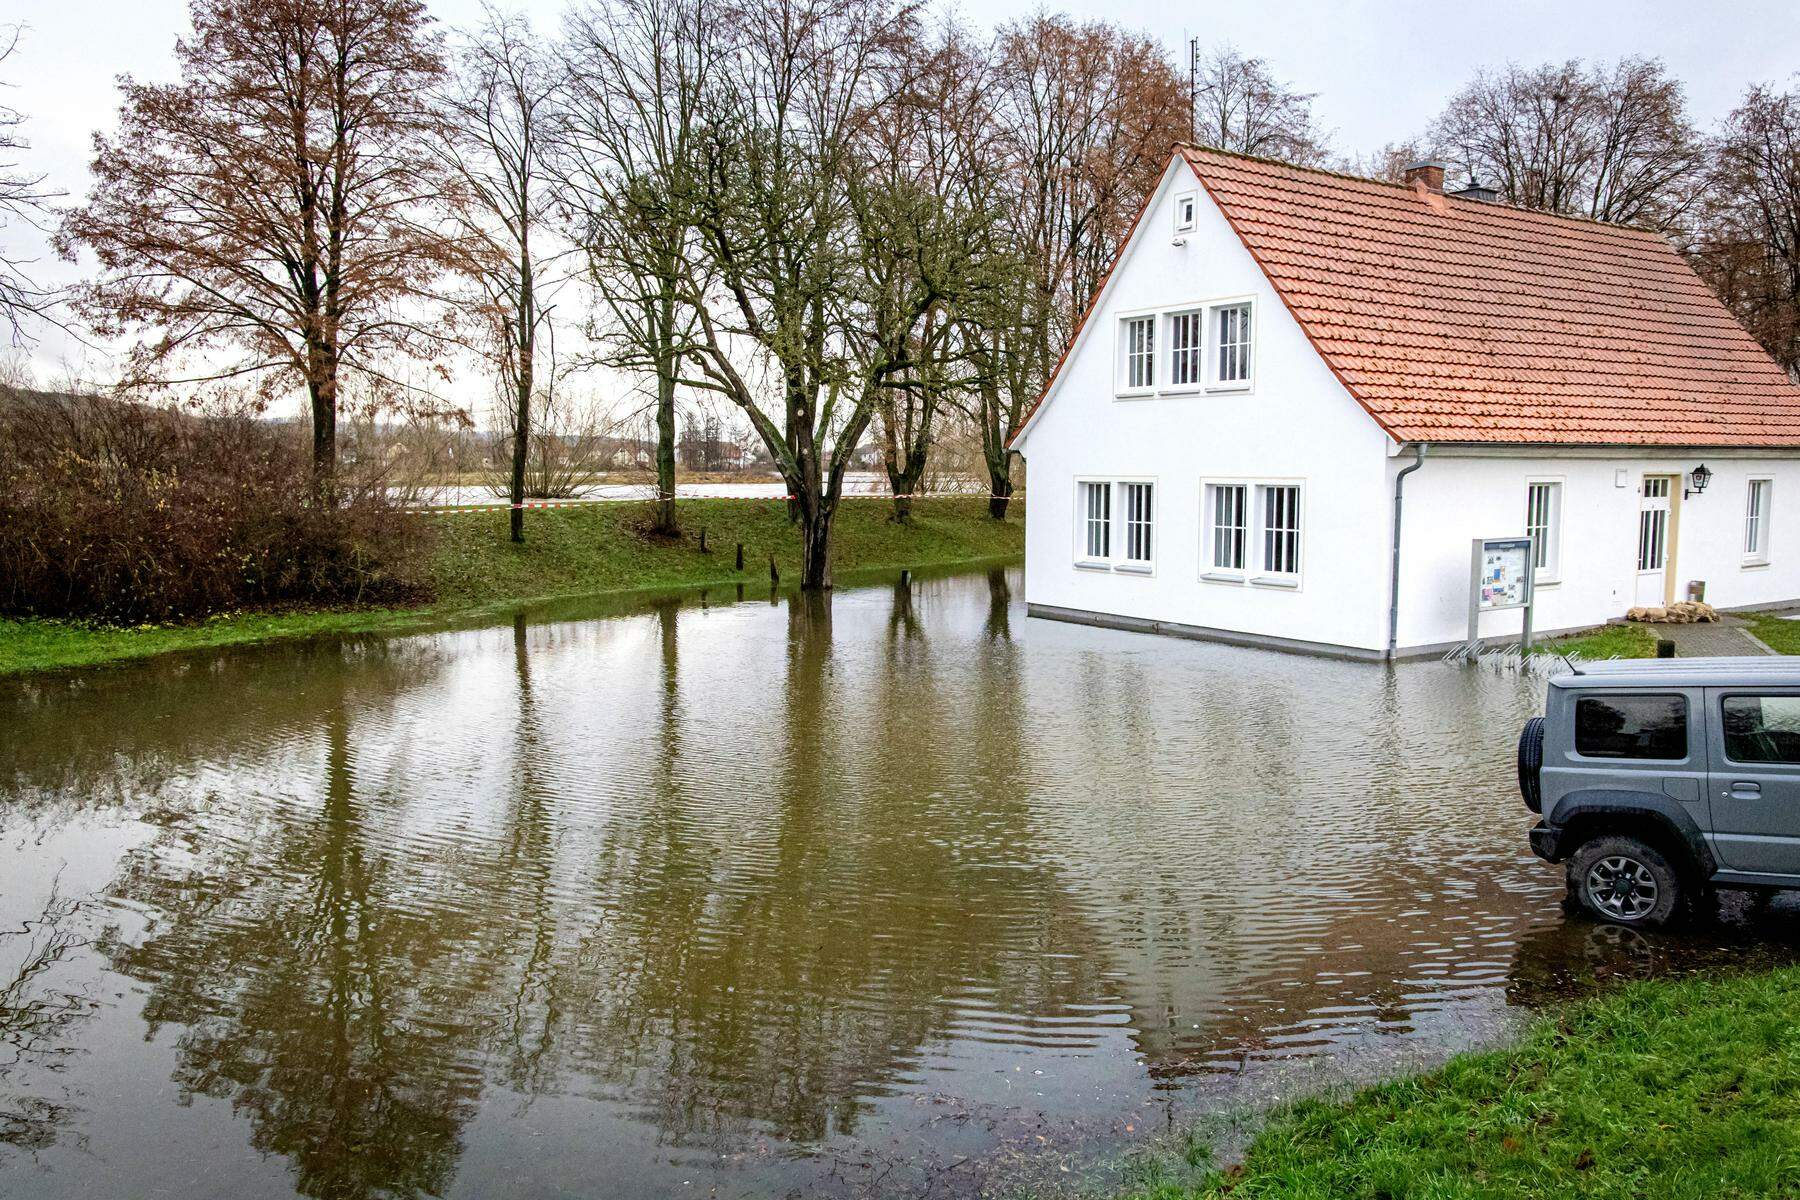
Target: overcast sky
{"x": 1381, "y": 68}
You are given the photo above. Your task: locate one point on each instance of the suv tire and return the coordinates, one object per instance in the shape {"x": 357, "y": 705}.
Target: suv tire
{"x": 1625, "y": 882}
{"x": 1531, "y": 764}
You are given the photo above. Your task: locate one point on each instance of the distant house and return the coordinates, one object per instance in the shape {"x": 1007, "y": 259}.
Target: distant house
{"x": 1292, "y": 376}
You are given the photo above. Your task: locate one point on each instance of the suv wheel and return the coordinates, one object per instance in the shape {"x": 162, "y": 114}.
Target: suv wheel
{"x": 1622, "y": 880}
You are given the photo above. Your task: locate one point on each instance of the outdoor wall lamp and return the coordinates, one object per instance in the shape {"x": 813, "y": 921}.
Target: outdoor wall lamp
{"x": 1699, "y": 477}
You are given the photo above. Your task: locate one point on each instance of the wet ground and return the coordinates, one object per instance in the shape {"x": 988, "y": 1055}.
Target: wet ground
{"x": 896, "y": 894}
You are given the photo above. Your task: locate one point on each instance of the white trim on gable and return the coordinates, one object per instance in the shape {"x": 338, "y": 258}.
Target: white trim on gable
{"x": 1263, "y": 308}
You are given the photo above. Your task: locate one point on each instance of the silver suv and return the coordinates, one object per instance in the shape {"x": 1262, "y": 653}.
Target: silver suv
{"x": 1659, "y": 780}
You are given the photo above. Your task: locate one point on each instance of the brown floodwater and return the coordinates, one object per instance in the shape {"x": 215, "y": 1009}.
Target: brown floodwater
{"x": 899, "y": 893}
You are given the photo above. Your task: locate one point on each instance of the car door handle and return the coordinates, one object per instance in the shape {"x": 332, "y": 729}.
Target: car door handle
{"x": 1744, "y": 789}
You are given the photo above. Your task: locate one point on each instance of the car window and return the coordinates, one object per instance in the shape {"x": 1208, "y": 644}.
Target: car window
{"x": 1653, "y": 727}
{"x": 1762, "y": 729}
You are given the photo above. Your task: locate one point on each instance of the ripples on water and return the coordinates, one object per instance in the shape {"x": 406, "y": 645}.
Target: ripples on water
{"x": 884, "y": 895}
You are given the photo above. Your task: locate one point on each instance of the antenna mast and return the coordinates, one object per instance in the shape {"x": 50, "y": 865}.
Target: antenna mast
{"x": 1194, "y": 89}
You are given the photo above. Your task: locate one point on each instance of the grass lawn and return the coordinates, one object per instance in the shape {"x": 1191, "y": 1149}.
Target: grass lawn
{"x": 1684, "y": 1090}
{"x": 1779, "y": 635}
{"x": 597, "y": 549}
{"x": 1628, "y": 640}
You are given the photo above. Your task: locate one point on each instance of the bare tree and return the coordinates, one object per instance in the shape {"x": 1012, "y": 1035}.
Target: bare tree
{"x": 770, "y": 208}
{"x": 1748, "y": 247}
{"x": 1085, "y": 118}
{"x": 501, "y": 112}
{"x": 260, "y": 218}
{"x": 1240, "y": 106}
{"x": 1613, "y": 144}
{"x": 924, "y": 245}
{"x": 637, "y": 70}
{"x": 23, "y": 198}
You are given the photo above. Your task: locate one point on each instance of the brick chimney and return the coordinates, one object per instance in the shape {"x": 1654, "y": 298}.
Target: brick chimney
{"x": 1431, "y": 174}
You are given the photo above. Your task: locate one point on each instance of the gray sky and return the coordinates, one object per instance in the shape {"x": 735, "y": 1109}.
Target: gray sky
{"x": 1381, "y": 68}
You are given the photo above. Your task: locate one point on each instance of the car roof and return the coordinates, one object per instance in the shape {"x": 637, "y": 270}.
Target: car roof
{"x": 1759, "y": 671}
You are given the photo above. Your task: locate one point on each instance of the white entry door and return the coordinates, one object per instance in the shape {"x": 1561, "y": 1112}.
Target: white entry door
{"x": 1654, "y": 555}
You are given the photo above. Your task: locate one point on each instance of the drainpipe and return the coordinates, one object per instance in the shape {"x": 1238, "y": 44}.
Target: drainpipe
{"x": 1394, "y": 569}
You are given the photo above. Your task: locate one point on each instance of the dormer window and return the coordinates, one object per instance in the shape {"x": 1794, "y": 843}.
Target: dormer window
{"x": 1186, "y": 205}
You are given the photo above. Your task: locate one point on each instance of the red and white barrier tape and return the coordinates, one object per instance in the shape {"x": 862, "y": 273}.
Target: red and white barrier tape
{"x": 442, "y": 509}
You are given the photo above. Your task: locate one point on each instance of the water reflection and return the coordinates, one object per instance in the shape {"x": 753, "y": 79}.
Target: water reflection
{"x": 881, "y": 893}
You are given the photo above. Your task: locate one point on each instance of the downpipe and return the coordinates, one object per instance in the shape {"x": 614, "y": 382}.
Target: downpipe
{"x": 1394, "y": 558}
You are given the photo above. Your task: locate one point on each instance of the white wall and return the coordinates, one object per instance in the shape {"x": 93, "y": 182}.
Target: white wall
{"x": 1455, "y": 497}
{"x": 1297, "y": 423}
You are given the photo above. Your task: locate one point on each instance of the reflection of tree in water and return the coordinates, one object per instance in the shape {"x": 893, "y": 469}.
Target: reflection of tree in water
{"x": 722, "y": 966}
{"x": 35, "y": 1015}
{"x": 782, "y": 976}
{"x": 117, "y": 735}
{"x": 315, "y": 998}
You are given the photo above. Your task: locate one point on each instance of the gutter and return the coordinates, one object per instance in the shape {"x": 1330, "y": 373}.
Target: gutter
{"x": 1394, "y": 561}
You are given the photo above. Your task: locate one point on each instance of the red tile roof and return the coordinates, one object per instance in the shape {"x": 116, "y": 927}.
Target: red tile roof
{"x": 1460, "y": 320}
{"x": 1463, "y": 321}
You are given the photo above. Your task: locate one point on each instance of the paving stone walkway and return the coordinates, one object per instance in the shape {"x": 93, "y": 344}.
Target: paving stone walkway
{"x": 1727, "y": 638}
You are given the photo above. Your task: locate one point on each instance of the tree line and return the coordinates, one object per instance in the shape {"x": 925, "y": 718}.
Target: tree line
{"x": 839, "y": 219}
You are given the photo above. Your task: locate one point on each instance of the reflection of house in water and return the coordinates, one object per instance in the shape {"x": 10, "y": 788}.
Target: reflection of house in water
{"x": 1291, "y": 861}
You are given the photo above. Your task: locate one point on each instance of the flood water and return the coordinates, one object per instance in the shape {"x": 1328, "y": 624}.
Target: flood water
{"x": 899, "y": 893}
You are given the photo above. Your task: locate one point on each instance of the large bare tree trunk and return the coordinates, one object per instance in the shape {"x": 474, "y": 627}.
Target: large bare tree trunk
{"x": 322, "y": 387}
{"x": 666, "y": 371}
{"x": 521, "y": 439}
{"x": 999, "y": 492}
{"x": 815, "y": 546}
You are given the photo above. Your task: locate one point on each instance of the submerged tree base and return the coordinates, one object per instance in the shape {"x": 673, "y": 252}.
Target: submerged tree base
{"x": 1682, "y": 1090}
{"x": 590, "y": 550}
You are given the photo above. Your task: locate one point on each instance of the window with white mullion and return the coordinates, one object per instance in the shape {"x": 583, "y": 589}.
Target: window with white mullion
{"x": 1140, "y": 352}
{"x": 1280, "y": 529}
{"x": 1231, "y": 344}
{"x": 1230, "y": 526}
{"x": 1543, "y": 520}
{"x": 1138, "y": 520}
{"x": 1097, "y": 521}
{"x": 1187, "y": 349}
{"x": 1756, "y": 520}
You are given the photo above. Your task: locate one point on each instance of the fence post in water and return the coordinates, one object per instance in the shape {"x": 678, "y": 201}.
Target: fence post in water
{"x": 774, "y": 575}
{"x": 703, "y": 539}
{"x": 740, "y": 556}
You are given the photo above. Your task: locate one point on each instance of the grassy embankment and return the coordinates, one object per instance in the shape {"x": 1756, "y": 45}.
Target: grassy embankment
{"x": 1682, "y": 1090}
{"x": 599, "y": 549}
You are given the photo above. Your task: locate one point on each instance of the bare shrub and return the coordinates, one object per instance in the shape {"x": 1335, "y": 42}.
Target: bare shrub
{"x": 566, "y": 452}
{"x": 121, "y": 512}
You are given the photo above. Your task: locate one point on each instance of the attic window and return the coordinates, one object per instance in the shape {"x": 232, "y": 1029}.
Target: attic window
{"x": 1185, "y": 205}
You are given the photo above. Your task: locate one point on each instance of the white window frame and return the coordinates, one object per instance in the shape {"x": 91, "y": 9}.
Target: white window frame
{"x": 1195, "y": 351}
{"x": 1121, "y": 548}
{"x": 1117, "y": 523}
{"x": 1083, "y": 557}
{"x": 1267, "y": 574}
{"x": 1256, "y": 571}
{"x": 1757, "y": 519}
{"x": 1187, "y": 209}
{"x": 1210, "y": 493}
{"x": 1214, "y": 350}
{"x": 1123, "y": 386}
{"x": 1549, "y": 572}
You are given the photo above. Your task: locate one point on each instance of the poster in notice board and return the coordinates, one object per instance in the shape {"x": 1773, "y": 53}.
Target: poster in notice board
{"x": 1504, "y": 573}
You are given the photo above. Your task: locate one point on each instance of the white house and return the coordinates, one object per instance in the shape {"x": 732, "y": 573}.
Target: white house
{"x": 1300, "y": 395}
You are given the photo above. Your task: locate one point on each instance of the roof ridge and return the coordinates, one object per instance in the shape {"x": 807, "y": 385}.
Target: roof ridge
{"x": 1186, "y": 148}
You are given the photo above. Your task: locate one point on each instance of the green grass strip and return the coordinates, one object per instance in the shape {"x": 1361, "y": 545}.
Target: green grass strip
{"x": 1680, "y": 1091}
{"x": 593, "y": 550}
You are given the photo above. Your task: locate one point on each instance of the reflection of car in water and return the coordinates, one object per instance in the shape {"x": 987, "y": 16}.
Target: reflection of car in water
{"x": 1661, "y": 780}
